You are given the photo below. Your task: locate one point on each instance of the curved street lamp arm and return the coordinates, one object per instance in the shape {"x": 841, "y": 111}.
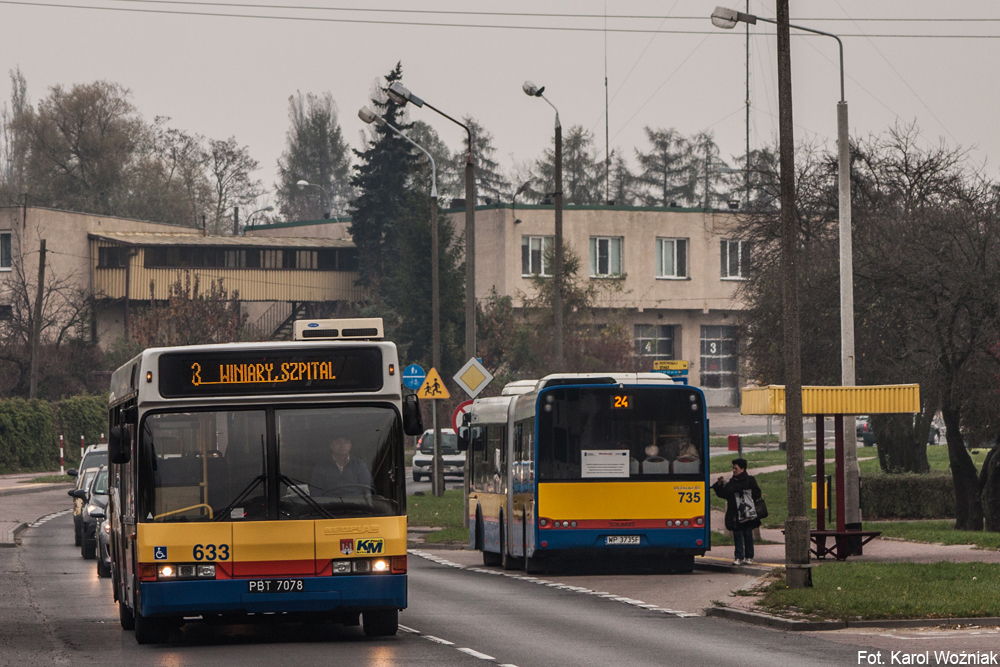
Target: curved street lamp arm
{"x": 421, "y": 148}
{"x": 818, "y": 32}
{"x": 551, "y": 105}
{"x": 467, "y": 129}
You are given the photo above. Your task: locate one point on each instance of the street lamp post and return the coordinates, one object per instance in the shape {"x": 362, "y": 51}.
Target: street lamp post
{"x": 302, "y": 185}
{"x": 400, "y": 94}
{"x": 369, "y": 116}
{"x": 531, "y": 90}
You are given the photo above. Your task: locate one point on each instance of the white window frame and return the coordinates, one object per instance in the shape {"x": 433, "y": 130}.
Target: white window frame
{"x": 742, "y": 249}
{"x": 545, "y": 245}
{"x": 7, "y": 238}
{"x": 613, "y": 245}
{"x": 677, "y": 257}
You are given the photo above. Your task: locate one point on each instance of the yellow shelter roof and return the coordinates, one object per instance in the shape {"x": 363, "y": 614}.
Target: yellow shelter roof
{"x": 880, "y": 399}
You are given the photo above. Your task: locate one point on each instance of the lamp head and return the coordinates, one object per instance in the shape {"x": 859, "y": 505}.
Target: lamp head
{"x": 302, "y": 184}
{"x": 267, "y": 209}
{"x": 370, "y": 116}
{"x": 524, "y": 186}
{"x": 400, "y": 94}
{"x": 723, "y": 17}
{"x": 531, "y": 90}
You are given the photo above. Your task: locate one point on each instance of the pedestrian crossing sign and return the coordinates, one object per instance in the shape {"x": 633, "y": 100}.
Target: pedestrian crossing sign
{"x": 433, "y": 387}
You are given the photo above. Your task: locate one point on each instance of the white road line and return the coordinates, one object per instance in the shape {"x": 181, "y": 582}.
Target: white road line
{"x": 553, "y": 584}
{"x": 410, "y": 630}
{"x": 49, "y": 517}
{"x": 477, "y": 654}
{"x": 438, "y": 640}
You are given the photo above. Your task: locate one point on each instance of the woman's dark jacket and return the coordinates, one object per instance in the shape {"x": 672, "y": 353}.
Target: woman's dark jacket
{"x": 728, "y": 491}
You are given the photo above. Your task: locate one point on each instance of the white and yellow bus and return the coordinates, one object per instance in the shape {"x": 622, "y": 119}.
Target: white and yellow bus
{"x": 261, "y": 478}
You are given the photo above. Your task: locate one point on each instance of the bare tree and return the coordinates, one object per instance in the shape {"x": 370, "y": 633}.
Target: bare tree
{"x": 230, "y": 168}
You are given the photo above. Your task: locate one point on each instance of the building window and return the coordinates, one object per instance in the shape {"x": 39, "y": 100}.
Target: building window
{"x": 6, "y": 312}
{"x": 112, "y": 257}
{"x": 535, "y": 254}
{"x": 719, "y": 360}
{"x": 735, "y": 259}
{"x": 605, "y": 256}
{"x": 654, "y": 342}
{"x": 671, "y": 258}
{"x": 5, "y": 251}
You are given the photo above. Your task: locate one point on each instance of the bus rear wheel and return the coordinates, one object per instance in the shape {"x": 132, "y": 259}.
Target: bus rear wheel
{"x": 381, "y": 622}
{"x": 151, "y": 630}
{"x": 125, "y": 615}
{"x": 507, "y": 561}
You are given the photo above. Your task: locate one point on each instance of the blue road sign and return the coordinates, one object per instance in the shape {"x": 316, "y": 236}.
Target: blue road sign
{"x": 413, "y": 376}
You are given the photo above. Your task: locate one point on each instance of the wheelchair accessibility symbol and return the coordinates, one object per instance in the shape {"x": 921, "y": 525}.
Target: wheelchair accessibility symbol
{"x": 160, "y": 553}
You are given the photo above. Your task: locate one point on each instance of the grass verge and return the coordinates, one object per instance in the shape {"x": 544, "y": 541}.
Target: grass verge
{"x": 937, "y": 532}
{"x": 445, "y": 511}
{"x": 48, "y": 479}
{"x": 448, "y": 535}
{"x": 874, "y": 591}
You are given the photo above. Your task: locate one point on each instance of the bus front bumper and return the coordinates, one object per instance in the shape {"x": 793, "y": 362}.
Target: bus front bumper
{"x": 232, "y": 596}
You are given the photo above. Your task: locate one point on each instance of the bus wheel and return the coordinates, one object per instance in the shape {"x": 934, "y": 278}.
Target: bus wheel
{"x": 531, "y": 565}
{"x": 151, "y": 630}
{"x": 381, "y": 622}
{"x": 125, "y": 615}
{"x": 681, "y": 564}
{"x": 507, "y": 561}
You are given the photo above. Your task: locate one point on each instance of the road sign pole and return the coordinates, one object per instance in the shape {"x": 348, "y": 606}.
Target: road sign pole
{"x": 438, "y": 472}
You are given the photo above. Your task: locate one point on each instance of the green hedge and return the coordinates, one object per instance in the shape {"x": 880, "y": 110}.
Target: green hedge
{"x": 29, "y": 431}
{"x": 907, "y": 496}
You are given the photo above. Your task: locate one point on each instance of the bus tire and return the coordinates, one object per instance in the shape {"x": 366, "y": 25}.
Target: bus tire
{"x": 125, "y": 615}
{"x": 507, "y": 561}
{"x": 531, "y": 565}
{"x": 151, "y": 630}
{"x": 381, "y": 622}
{"x": 681, "y": 564}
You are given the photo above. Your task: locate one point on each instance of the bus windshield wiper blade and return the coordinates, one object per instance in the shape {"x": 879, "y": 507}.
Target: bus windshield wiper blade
{"x": 240, "y": 498}
{"x": 309, "y": 501}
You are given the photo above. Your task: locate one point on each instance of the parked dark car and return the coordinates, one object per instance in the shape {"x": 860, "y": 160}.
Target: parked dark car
{"x": 104, "y": 547}
{"x": 94, "y": 457}
{"x": 93, "y": 509}
{"x": 864, "y": 430}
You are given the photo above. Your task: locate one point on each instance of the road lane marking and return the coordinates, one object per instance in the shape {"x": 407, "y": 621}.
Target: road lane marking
{"x": 438, "y": 640}
{"x": 553, "y": 584}
{"x": 477, "y": 654}
{"x": 410, "y": 630}
{"x": 49, "y": 517}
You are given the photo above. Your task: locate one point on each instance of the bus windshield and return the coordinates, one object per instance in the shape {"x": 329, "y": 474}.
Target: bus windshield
{"x": 608, "y": 433}
{"x": 332, "y": 462}
{"x": 339, "y": 462}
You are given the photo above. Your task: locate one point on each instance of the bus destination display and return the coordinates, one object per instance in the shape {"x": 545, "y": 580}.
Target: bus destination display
{"x": 270, "y": 372}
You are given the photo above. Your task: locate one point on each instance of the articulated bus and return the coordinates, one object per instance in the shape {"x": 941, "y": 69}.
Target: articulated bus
{"x": 589, "y": 465}
{"x": 260, "y": 481}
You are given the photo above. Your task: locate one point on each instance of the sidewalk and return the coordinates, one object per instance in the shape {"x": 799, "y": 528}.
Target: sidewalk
{"x": 17, "y": 483}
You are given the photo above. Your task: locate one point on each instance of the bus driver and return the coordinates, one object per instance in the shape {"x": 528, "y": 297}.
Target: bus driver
{"x": 340, "y": 474}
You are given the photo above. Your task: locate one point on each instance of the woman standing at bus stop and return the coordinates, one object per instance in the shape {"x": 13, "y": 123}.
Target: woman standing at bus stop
{"x": 740, "y": 493}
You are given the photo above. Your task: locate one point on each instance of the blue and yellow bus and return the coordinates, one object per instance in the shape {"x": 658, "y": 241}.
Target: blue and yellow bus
{"x": 258, "y": 479}
{"x": 585, "y": 465}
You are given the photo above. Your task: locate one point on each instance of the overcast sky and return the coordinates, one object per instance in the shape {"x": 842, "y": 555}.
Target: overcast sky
{"x": 224, "y": 76}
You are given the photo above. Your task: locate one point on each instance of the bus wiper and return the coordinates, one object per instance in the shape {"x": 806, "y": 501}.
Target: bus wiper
{"x": 294, "y": 486}
{"x": 219, "y": 516}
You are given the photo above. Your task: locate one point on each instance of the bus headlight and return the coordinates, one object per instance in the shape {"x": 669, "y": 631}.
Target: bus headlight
{"x": 107, "y": 527}
{"x": 380, "y": 565}
{"x": 166, "y": 572}
{"x": 206, "y": 571}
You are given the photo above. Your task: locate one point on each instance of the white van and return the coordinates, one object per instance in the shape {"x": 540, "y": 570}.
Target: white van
{"x": 454, "y": 460}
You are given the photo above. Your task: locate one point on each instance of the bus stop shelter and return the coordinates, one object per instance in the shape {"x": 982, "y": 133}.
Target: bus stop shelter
{"x": 834, "y": 402}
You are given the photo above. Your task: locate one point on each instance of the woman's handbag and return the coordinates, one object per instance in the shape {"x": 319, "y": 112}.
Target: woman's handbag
{"x": 761, "y": 508}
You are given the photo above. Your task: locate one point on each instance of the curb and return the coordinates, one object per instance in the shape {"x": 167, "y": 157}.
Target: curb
{"x": 34, "y": 488}
{"x": 778, "y": 623}
{"x": 14, "y": 535}
{"x": 751, "y": 570}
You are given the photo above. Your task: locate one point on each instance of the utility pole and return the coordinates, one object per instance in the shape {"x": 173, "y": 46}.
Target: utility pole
{"x": 470, "y": 254}
{"x": 438, "y": 469}
{"x": 36, "y": 323}
{"x": 557, "y": 297}
{"x": 236, "y": 221}
{"x": 797, "y": 568}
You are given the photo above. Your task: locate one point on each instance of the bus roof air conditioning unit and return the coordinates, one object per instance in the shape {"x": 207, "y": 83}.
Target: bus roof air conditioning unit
{"x": 365, "y": 328}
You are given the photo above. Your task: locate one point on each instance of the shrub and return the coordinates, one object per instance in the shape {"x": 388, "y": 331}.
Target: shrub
{"x": 907, "y": 496}
{"x": 85, "y": 415}
{"x": 28, "y": 438}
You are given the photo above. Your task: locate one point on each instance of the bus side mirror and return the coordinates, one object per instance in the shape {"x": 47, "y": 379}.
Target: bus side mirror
{"x": 116, "y": 452}
{"x": 463, "y": 438}
{"x": 413, "y": 422}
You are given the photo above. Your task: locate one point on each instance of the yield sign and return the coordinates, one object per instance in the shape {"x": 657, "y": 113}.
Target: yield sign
{"x": 473, "y": 377}
{"x": 433, "y": 387}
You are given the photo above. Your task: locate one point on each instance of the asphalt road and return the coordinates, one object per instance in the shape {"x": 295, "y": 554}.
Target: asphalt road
{"x": 55, "y": 611}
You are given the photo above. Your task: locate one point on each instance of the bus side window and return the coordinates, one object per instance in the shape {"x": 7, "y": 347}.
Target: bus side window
{"x": 478, "y": 453}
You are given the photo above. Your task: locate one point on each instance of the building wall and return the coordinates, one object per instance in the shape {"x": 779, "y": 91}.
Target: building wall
{"x": 320, "y": 229}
